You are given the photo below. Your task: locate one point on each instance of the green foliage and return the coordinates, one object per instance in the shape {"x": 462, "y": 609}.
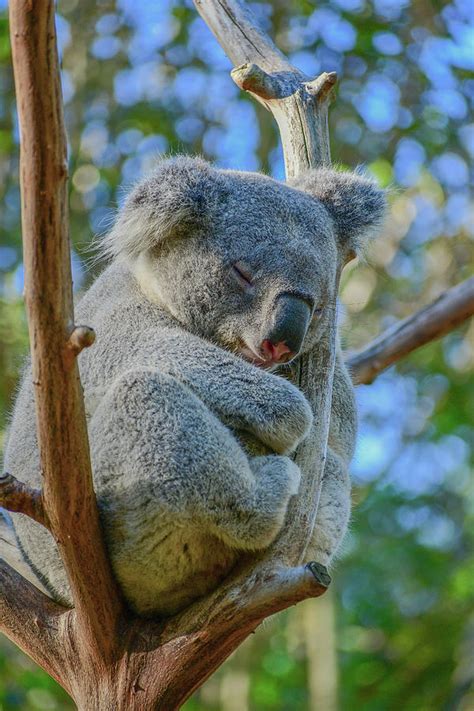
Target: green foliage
{"x": 23, "y": 686}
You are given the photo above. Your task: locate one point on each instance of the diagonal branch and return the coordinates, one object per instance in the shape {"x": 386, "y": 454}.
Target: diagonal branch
{"x": 68, "y": 495}
{"x": 193, "y": 645}
{"x": 299, "y": 105}
{"x": 444, "y": 314}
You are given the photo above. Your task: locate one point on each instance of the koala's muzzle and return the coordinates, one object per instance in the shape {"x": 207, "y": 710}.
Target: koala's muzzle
{"x": 290, "y": 322}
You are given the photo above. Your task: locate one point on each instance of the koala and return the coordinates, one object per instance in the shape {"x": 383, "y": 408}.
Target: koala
{"x": 217, "y": 280}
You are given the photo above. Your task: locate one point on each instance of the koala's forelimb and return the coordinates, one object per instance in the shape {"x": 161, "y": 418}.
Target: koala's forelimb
{"x": 239, "y": 394}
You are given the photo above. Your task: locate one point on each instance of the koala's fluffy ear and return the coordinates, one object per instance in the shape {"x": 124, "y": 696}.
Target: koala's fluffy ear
{"x": 177, "y": 199}
{"x": 356, "y": 204}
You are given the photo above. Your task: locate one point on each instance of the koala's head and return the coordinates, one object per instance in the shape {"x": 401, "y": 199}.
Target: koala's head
{"x": 241, "y": 259}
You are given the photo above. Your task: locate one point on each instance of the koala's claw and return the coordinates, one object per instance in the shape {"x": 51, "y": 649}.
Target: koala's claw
{"x": 295, "y": 477}
{"x": 320, "y": 573}
{"x": 290, "y": 425}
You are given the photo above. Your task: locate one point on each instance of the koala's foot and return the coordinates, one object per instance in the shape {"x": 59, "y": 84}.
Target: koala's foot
{"x": 277, "y": 479}
{"x": 333, "y": 511}
{"x": 321, "y": 547}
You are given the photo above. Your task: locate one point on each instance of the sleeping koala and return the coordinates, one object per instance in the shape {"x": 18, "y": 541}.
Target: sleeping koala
{"x": 216, "y": 279}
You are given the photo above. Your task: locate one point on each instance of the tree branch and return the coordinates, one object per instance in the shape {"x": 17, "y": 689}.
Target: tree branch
{"x": 31, "y": 620}
{"x": 214, "y": 628}
{"x": 300, "y": 107}
{"x": 19, "y": 497}
{"x": 235, "y": 27}
{"x": 68, "y": 494}
{"x": 298, "y": 104}
{"x": 448, "y": 311}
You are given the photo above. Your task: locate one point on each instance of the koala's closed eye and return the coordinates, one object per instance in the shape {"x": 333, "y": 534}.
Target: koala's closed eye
{"x": 242, "y": 275}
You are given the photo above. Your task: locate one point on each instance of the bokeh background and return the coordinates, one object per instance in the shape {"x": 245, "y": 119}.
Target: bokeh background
{"x": 145, "y": 78}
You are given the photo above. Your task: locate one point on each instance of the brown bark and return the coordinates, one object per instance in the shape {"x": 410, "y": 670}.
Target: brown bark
{"x": 68, "y": 495}
{"x": 16, "y": 496}
{"x": 30, "y": 619}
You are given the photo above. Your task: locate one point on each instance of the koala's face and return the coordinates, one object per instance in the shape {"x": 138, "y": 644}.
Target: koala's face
{"x": 240, "y": 259}
{"x": 256, "y": 278}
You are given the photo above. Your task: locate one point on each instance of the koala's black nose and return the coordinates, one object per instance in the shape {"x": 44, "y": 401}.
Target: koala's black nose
{"x": 290, "y": 322}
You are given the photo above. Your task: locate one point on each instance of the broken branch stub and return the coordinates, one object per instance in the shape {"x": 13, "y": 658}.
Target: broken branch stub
{"x": 19, "y": 497}
{"x": 300, "y": 108}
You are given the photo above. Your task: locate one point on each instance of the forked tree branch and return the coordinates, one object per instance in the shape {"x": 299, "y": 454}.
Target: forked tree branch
{"x": 448, "y": 311}
{"x": 68, "y": 495}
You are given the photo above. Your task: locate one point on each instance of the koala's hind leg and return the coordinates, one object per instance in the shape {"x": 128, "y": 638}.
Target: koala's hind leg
{"x": 162, "y": 461}
{"x": 333, "y": 510}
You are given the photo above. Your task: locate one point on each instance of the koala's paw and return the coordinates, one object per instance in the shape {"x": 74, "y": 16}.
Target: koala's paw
{"x": 277, "y": 480}
{"x": 293, "y": 472}
{"x": 289, "y": 423}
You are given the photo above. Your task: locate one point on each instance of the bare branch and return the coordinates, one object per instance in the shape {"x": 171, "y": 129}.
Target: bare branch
{"x": 68, "y": 494}
{"x": 299, "y": 105}
{"x": 300, "y": 108}
{"x": 19, "y": 497}
{"x": 251, "y": 77}
{"x": 323, "y": 85}
{"x": 435, "y": 320}
{"x": 30, "y": 619}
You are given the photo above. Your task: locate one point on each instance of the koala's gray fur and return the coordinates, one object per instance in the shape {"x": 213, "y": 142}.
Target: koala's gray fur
{"x": 190, "y": 443}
